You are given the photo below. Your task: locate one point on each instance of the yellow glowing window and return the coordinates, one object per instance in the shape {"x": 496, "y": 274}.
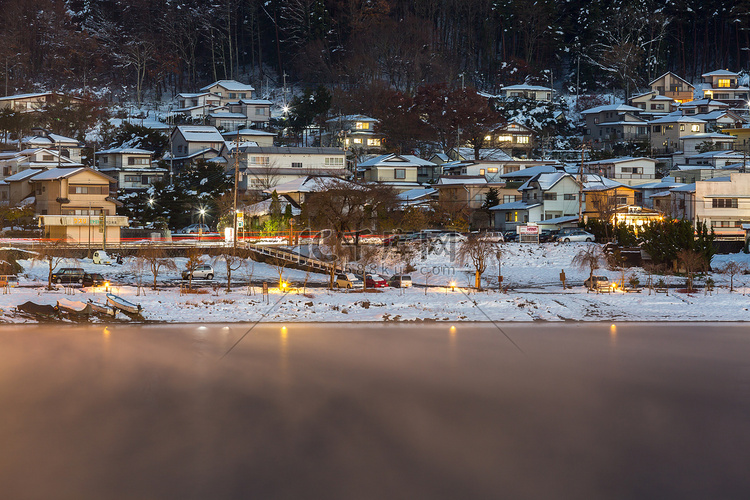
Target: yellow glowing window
{"x": 505, "y": 138}
{"x": 362, "y": 126}
{"x": 481, "y": 171}
{"x": 487, "y": 137}
{"x": 492, "y": 170}
{"x": 357, "y": 141}
{"x": 373, "y": 142}
{"x": 695, "y": 128}
{"x": 724, "y": 83}
{"x": 523, "y": 139}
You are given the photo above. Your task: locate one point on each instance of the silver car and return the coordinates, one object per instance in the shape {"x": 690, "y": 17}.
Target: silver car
{"x": 577, "y": 235}
{"x": 202, "y": 272}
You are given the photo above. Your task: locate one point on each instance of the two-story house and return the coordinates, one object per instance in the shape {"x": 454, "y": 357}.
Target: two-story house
{"x": 353, "y": 132}
{"x": 545, "y": 196}
{"x": 43, "y": 138}
{"x": 723, "y": 204}
{"x": 610, "y": 124}
{"x": 196, "y": 105}
{"x": 265, "y": 167}
{"x": 257, "y": 112}
{"x": 245, "y": 136}
{"x": 229, "y": 91}
{"x": 192, "y": 142}
{"x": 132, "y": 167}
{"x": 724, "y": 85}
{"x": 653, "y": 105}
{"x": 33, "y": 102}
{"x": 604, "y": 197}
{"x": 626, "y": 169}
{"x": 515, "y": 139}
{"x": 75, "y": 204}
{"x": 13, "y": 162}
{"x": 674, "y": 87}
{"x": 716, "y": 114}
{"x": 667, "y": 131}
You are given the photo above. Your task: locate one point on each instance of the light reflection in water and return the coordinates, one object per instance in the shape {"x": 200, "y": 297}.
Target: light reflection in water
{"x": 613, "y": 334}
{"x": 452, "y": 346}
{"x": 284, "y": 356}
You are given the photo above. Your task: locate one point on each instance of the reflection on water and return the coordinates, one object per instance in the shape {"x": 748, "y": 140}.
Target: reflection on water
{"x": 375, "y": 411}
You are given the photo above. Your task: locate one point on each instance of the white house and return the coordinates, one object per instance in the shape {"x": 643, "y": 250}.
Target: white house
{"x": 524, "y": 91}
{"x": 723, "y": 203}
{"x": 229, "y": 90}
{"x": 266, "y": 167}
{"x": 626, "y": 169}
{"x": 17, "y": 161}
{"x": 132, "y": 167}
{"x": 393, "y": 169}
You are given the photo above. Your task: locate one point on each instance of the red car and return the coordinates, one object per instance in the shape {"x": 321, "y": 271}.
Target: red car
{"x": 375, "y": 281}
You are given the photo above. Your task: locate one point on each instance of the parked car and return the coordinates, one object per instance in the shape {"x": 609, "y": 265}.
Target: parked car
{"x": 96, "y": 279}
{"x": 564, "y": 231}
{"x": 576, "y": 235}
{"x": 492, "y": 236}
{"x": 400, "y": 281}
{"x": 510, "y": 236}
{"x": 101, "y": 257}
{"x": 547, "y": 235}
{"x": 195, "y": 229}
{"x": 68, "y": 275}
{"x": 348, "y": 280}
{"x": 597, "y": 282}
{"x": 451, "y": 237}
{"x": 391, "y": 240}
{"x": 202, "y": 272}
{"x": 375, "y": 281}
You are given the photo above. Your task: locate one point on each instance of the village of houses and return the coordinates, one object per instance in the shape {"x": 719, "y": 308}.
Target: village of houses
{"x": 697, "y": 137}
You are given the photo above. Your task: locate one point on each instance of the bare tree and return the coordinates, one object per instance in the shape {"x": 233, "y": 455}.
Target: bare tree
{"x": 731, "y": 269}
{"x": 51, "y": 252}
{"x": 589, "y": 258}
{"x": 368, "y": 256}
{"x": 139, "y": 265}
{"x": 231, "y": 261}
{"x": 477, "y": 251}
{"x": 692, "y": 262}
{"x": 157, "y": 259}
{"x": 195, "y": 260}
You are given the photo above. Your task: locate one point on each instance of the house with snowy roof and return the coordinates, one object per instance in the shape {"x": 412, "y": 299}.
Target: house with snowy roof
{"x": 545, "y": 196}
{"x": 257, "y": 137}
{"x": 229, "y": 90}
{"x": 43, "y": 138}
{"x": 653, "y": 105}
{"x": 610, "y": 124}
{"x": 34, "y": 101}
{"x": 723, "y": 203}
{"x": 648, "y": 195}
{"x": 604, "y": 196}
{"x": 724, "y": 85}
{"x": 265, "y": 167}
{"x": 673, "y": 87}
{"x": 13, "y": 162}
{"x": 18, "y": 187}
{"x": 257, "y": 112}
{"x": 525, "y": 91}
{"x": 716, "y": 114}
{"x": 625, "y": 169}
{"x": 513, "y": 138}
{"x": 193, "y": 142}
{"x": 667, "y": 131}
{"x": 401, "y": 171}
{"x": 75, "y": 203}
{"x": 694, "y": 144}
{"x": 353, "y": 132}
{"x": 196, "y": 105}
{"x": 132, "y": 167}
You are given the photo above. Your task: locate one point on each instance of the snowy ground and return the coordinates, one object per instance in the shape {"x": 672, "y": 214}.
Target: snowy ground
{"x": 530, "y": 271}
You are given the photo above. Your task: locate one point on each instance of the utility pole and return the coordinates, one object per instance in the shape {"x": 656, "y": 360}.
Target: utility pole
{"x": 236, "y": 182}
{"x": 580, "y": 185}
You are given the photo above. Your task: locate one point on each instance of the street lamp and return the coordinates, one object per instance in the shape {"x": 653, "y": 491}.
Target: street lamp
{"x": 202, "y": 211}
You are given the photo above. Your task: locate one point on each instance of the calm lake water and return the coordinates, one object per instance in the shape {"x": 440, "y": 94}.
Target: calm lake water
{"x": 577, "y": 411}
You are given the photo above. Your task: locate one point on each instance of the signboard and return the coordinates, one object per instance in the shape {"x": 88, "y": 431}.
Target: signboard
{"x": 528, "y": 230}
{"x": 240, "y": 220}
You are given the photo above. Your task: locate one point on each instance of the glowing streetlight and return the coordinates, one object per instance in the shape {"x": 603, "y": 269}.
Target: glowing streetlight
{"x": 453, "y": 286}
{"x": 202, "y": 211}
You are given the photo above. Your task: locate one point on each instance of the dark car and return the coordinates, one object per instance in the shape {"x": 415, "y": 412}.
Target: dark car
{"x": 546, "y": 235}
{"x": 95, "y": 279}
{"x": 68, "y": 275}
{"x": 510, "y": 236}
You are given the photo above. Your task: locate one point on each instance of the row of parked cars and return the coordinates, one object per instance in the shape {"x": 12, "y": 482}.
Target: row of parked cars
{"x": 353, "y": 281}
{"x": 77, "y": 276}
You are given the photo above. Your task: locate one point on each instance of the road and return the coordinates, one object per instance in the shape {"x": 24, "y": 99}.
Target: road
{"x": 370, "y": 412}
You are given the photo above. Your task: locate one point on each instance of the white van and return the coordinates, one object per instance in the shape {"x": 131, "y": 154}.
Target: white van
{"x": 101, "y": 257}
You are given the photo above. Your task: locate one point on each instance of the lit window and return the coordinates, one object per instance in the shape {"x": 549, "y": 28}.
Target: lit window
{"x": 505, "y": 138}
{"x": 481, "y": 171}
{"x": 682, "y": 128}
{"x": 695, "y": 128}
{"x": 357, "y": 141}
{"x": 362, "y": 126}
{"x": 523, "y": 139}
{"x": 492, "y": 170}
{"x": 724, "y": 83}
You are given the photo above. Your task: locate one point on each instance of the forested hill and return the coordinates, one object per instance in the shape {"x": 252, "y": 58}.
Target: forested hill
{"x": 177, "y": 45}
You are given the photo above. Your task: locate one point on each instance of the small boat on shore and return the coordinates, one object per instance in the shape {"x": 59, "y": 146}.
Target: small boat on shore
{"x": 38, "y": 311}
{"x": 121, "y": 304}
{"x": 102, "y": 309}
{"x": 74, "y": 309}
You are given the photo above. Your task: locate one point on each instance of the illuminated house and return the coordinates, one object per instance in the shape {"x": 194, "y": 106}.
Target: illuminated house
{"x": 653, "y": 104}
{"x": 530, "y": 92}
{"x": 353, "y": 132}
{"x": 667, "y": 131}
{"x": 672, "y": 86}
{"x": 724, "y": 86}
{"x": 513, "y": 138}
{"x": 607, "y": 125}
